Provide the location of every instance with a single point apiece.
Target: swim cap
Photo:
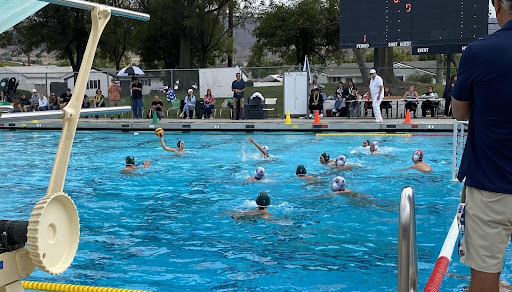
(375, 144)
(341, 160)
(259, 173)
(338, 184)
(130, 160)
(263, 199)
(265, 148)
(367, 142)
(301, 169)
(179, 144)
(417, 155)
(326, 157)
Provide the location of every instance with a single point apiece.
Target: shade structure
(130, 71)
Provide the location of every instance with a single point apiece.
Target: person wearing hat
(316, 102)
(263, 150)
(65, 98)
(262, 201)
(374, 147)
(136, 88)
(34, 100)
(190, 103)
(259, 174)
(302, 173)
(325, 159)
(366, 143)
(376, 94)
(417, 158)
(179, 150)
(341, 163)
(130, 164)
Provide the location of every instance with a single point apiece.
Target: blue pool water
(167, 228)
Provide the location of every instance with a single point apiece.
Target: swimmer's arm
(165, 147)
(258, 146)
(146, 163)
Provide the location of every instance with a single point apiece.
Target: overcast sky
(491, 9)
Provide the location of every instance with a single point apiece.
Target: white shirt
(43, 102)
(375, 84)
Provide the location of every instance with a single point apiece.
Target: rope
(44, 286)
(441, 266)
(363, 134)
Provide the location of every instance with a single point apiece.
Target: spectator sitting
(43, 103)
(24, 103)
(411, 94)
(158, 106)
(355, 105)
(65, 98)
(209, 101)
(99, 100)
(53, 102)
(34, 100)
(2, 97)
(316, 102)
(429, 105)
(386, 104)
(190, 104)
(339, 99)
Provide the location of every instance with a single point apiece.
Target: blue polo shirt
(238, 85)
(484, 79)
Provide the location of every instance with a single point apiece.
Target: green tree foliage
(308, 27)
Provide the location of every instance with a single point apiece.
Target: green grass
(277, 91)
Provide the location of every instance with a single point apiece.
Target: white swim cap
(259, 173)
(375, 144)
(341, 160)
(417, 155)
(338, 184)
(265, 148)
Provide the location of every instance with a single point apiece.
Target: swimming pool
(167, 228)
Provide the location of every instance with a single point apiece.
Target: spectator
(136, 88)
(99, 100)
(316, 102)
(386, 104)
(339, 100)
(85, 102)
(482, 96)
(209, 104)
(43, 103)
(53, 102)
(447, 95)
(24, 103)
(429, 105)
(190, 103)
(34, 100)
(114, 95)
(158, 106)
(411, 105)
(238, 88)
(65, 98)
(376, 94)
(355, 104)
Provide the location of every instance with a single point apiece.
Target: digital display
(429, 26)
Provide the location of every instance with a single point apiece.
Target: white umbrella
(130, 71)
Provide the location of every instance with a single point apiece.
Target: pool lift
(52, 232)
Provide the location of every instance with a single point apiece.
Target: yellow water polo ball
(159, 132)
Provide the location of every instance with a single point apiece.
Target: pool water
(168, 227)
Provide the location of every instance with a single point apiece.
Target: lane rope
(45, 286)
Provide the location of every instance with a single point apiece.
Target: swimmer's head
(180, 144)
(338, 184)
(366, 143)
(259, 173)
(324, 158)
(130, 160)
(265, 148)
(417, 156)
(374, 146)
(301, 170)
(263, 199)
(341, 160)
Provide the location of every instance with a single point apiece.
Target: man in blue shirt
(238, 88)
(486, 163)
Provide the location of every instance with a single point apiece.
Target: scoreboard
(429, 26)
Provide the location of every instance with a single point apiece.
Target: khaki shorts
(115, 103)
(241, 102)
(487, 230)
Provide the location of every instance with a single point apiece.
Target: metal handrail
(407, 253)
(458, 144)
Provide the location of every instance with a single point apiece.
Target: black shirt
(155, 103)
(136, 94)
(24, 101)
(65, 98)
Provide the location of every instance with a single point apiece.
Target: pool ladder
(407, 252)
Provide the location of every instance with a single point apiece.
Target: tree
(308, 27)
(57, 29)
(386, 65)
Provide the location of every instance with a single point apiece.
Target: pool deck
(298, 124)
